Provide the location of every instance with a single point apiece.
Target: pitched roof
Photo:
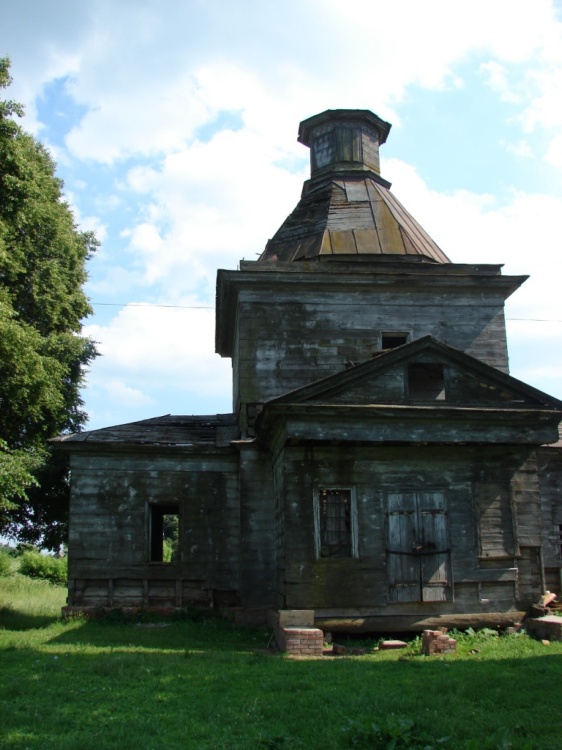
(328, 389)
(346, 208)
(169, 430)
(350, 216)
(469, 403)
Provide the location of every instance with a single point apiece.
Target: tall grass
(26, 602)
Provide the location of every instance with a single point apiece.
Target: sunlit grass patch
(28, 603)
(202, 683)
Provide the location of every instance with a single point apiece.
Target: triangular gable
(397, 377)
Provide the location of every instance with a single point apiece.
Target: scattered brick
(437, 642)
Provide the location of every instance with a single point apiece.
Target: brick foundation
(301, 641)
(437, 642)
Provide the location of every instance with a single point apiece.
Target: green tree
(42, 351)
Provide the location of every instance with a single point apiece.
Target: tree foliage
(42, 351)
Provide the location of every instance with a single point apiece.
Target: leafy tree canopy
(42, 352)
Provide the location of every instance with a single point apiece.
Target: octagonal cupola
(346, 210)
(343, 140)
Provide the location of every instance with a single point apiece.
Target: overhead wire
(212, 307)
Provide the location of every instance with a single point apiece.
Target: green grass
(205, 684)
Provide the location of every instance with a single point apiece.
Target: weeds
(36, 565)
(390, 733)
(398, 733)
(5, 563)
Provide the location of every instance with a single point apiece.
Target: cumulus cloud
(184, 157)
(152, 342)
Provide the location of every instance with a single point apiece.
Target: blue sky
(174, 127)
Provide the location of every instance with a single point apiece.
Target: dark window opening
(335, 523)
(164, 533)
(391, 340)
(560, 540)
(426, 381)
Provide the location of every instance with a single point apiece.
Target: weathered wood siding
(284, 342)
(459, 478)
(550, 468)
(109, 555)
(257, 520)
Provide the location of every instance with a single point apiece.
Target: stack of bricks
(437, 642)
(300, 640)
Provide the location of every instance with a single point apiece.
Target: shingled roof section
(170, 430)
(346, 208)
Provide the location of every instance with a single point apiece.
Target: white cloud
(163, 347)
(155, 80)
(211, 204)
(520, 233)
(121, 393)
(553, 155)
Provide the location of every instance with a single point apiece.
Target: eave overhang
(342, 275)
(398, 424)
(169, 433)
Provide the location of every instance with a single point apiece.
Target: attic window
(335, 523)
(392, 339)
(164, 533)
(426, 381)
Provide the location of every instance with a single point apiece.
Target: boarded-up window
(335, 522)
(496, 530)
(164, 533)
(426, 381)
(418, 555)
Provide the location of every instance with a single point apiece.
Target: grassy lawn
(205, 684)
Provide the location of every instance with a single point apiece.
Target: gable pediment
(423, 372)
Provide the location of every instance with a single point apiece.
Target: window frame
(156, 512)
(353, 524)
(430, 389)
(393, 334)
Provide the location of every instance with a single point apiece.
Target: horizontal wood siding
(294, 342)
(377, 474)
(550, 468)
(257, 570)
(109, 528)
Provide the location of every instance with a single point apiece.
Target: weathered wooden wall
(257, 518)
(109, 556)
(493, 568)
(284, 342)
(550, 468)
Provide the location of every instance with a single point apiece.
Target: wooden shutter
(403, 567)
(434, 540)
(495, 520)
(418, 555)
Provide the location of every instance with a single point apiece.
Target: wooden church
(380, 467)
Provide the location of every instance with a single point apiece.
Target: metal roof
(346, 208)
(349, 216)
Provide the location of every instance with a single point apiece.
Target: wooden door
(418, 554)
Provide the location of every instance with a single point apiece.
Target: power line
(150, 304)
(212, 307)
(537, 320)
